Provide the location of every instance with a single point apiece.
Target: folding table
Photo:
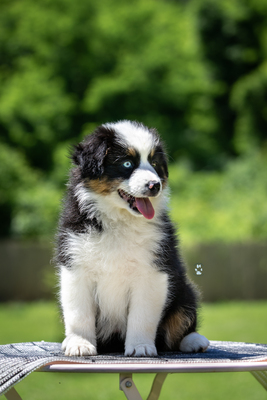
(18, 360)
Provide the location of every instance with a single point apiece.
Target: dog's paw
(194, 343)
(141, 350)
(75, 345)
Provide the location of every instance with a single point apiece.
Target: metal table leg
(261, 377)
(12, 394)
(128, 387)
(157, 386)
(131, 392)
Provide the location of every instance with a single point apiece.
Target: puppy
(123, 283)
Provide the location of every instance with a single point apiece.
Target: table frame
(257, 368)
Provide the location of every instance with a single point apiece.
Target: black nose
(154, 187)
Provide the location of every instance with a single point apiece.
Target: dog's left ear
(90, 154)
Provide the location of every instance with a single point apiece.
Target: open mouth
(141, 205)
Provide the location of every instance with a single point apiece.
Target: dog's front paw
(194, 343)
(141, 350)
(75, 345)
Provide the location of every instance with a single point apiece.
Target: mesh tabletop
(20, 359)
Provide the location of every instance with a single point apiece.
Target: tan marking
(175, 327)
(103, 186)
(152, 153)
(131, 152)
(164, 181)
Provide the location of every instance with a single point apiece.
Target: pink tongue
(145, 207)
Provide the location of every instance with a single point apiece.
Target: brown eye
(154, 164)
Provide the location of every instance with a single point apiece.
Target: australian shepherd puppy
(123, 284)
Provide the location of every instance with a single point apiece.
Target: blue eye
(127, 164)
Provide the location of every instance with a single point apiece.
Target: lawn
(236, 321)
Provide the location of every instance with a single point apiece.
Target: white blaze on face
(136, 185)
(138, 137)
(143, 141)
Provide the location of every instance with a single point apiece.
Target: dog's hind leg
(194, 343)
(179, 332)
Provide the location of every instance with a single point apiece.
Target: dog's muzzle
(142, 205)
(153, 188)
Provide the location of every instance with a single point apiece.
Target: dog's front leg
(147, 301)
(79, 314)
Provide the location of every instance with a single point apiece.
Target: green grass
(235, 321)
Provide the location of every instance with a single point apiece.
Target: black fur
(90, 154)
(102, 155)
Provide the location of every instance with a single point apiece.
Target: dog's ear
(90, 158)
(90, 154)
(76, 154)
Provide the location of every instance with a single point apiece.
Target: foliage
(28, 202)
(216, 206)
(234, 34)
(97, 62)
(195, 70)
(207, 206)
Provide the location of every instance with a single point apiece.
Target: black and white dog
(123, 284)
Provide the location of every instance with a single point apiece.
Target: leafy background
(195, 70)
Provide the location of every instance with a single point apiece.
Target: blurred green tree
(195, 70)
(234, 37)
(67, 66)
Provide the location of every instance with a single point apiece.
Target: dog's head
(124, 162)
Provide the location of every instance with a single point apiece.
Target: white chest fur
(113, 274)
